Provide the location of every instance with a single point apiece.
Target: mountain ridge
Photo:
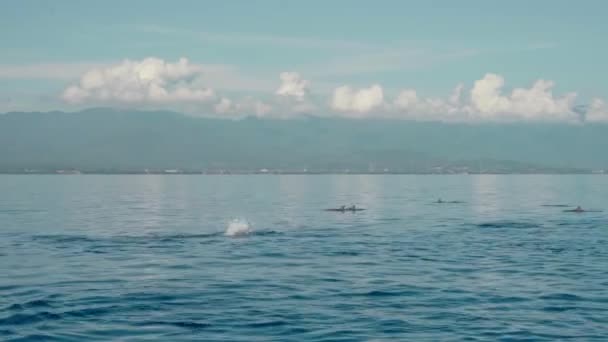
(129, 141)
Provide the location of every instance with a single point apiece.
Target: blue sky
(429, 46)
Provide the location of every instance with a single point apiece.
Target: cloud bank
(486, 100)
(537, 102)
(244, 106)
(357, 101)
(153, 81)
(597, 112)
(292, 85)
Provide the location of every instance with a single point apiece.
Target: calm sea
(255, 258)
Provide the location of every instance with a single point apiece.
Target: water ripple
(118, 260)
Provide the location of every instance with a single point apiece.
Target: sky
(421, 60)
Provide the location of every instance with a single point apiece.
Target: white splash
(238, 228)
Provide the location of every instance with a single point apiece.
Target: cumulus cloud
(243, 107)
(536, 102)
(183, 85)
(597, 111)
(293, 96)
(151, 80)
(224, 106)
(292, 85)
(409, 105)
(486, 101)
(358, 101)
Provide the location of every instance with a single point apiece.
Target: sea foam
(238, 227)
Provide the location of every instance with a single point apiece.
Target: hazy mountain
(105, 139)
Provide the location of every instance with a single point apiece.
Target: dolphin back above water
(344, 209)
(581, 210)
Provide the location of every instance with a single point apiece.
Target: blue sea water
(159, 258)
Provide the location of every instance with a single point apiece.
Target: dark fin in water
(343, 210)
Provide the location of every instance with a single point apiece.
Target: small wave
(342, 253)
(60, 238)
(582, 223)
(186, 236)
(120, 239)
(19, 211)
(559, 308)
(507, 299)
(33, 337)
(267, 324)
(6, 332)
(179, 324)
(389, 219)
(92, 311)
(238, 228)
(562, 297)
(22, 319)
(266, 233)
(508, 224)
(380, 293)
(38, 303)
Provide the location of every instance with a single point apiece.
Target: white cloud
(224, 106)
(304, 107)
(407, 99)
(292, 85)
(243, 107)
(597, 111)
(262, 108)
(409, 105)
(182, 85)
(486, 101)
(536, 102)
(357, 101)
(456, 96)
(151, 80)
(250, 105)
(221, 76)
(485, 95)
(293, 96)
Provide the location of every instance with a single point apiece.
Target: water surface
(146, 258)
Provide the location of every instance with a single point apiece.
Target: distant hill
(120, 141)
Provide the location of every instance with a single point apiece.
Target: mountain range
(112, 140)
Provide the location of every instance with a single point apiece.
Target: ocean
(256, 258)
